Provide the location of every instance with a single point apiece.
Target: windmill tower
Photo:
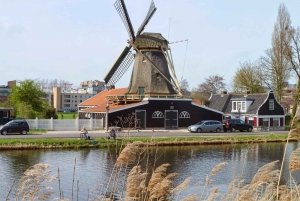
(150, 75)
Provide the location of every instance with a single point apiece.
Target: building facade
(262, 111)
(69, 99)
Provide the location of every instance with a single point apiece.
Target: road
(144, 133)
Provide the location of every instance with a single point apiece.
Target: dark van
(15, 126)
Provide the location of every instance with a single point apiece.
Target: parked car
(67, 111)
(15, 126)
(237, 124)
(206, 126)
(224, 125)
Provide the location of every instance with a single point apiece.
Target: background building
(69, 99)
(6, 90)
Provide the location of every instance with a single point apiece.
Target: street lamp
(107, 110)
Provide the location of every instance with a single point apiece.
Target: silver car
(206, 126)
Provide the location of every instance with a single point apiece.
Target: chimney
(223, 93)
(247, 92)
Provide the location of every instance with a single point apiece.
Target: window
(243, 106)
(157, 114)
(5, 114)
(271, 104)
(234, 106)
(275, 122)
(239, 105)
(184, 114)
(265, 122)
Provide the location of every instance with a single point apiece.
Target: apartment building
(69, 99)
(5, 90)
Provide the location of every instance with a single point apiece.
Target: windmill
(152, 60)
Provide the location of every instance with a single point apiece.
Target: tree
(248, 76)
(47, 85)
(184, 85)
(275, 64)
(212, 84)
(292, 53)
(26, 98)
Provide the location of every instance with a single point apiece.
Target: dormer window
(238, 106)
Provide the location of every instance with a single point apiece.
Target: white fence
(65, 124)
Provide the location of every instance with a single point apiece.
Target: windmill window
(184, 114)
(157, 75)
(157, 114)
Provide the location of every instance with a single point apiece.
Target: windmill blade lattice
(150, 13)
(121, 9)
(120, 67)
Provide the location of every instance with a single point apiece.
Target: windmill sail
(122, 10)
(150, 13)
(120, 66)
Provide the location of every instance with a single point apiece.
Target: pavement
(125, 131)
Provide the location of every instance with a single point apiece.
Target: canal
(91, 168)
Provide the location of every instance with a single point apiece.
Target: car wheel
(4, 132)
(218, 130)
(232, 129)
(249, 129)
(23, 132)
(199, 130)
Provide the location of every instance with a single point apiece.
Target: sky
(79, 40)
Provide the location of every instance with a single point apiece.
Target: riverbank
(55, 143)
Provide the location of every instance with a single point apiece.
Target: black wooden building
(169, 113)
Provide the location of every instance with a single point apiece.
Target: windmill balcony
(137, 97)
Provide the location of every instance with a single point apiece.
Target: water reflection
(94, 166)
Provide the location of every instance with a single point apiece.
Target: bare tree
(248, 76)
(292, 53)
(212, 84)
(184, 85)
(275, 64)
(47, 85)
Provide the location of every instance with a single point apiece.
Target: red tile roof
(197, 101)
(100, 98)
(98, 102)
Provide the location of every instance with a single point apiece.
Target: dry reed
(295, 160)
(128, 154)
(135, 183)
(31, 185)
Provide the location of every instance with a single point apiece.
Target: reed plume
(128, 154)
(264, 180)
(295, 160)
(135, 183)
(32, 183)
(157, 176)
(161, 191)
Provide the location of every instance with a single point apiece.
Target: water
(93, 166)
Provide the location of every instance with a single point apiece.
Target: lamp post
(107, 110)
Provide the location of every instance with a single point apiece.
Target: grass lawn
(71, 115)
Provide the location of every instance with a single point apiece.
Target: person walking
(84, 133)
